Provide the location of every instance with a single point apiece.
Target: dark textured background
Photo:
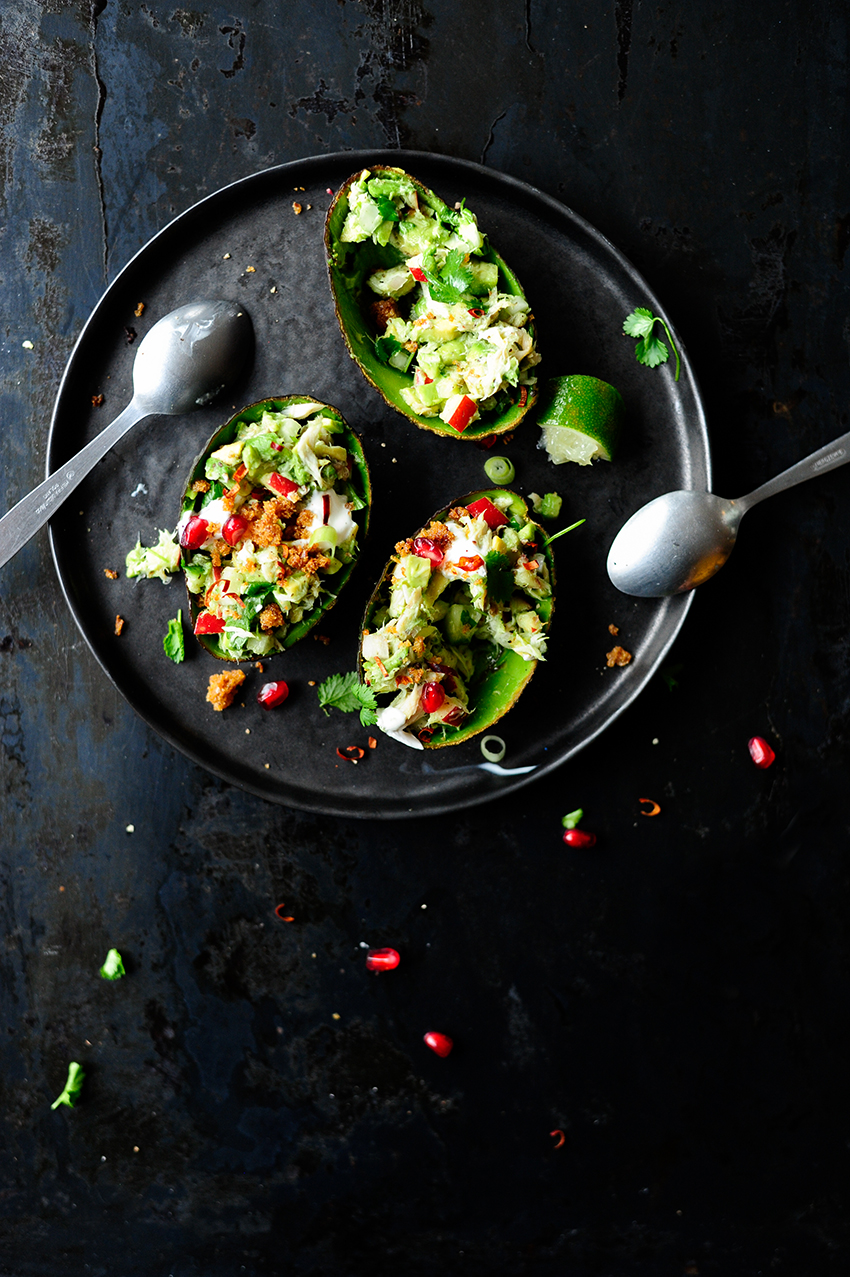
(675, 1000)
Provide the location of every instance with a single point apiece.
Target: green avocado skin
(501, 688)
(226, 434)
(348, 265)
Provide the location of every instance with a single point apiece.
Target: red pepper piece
(463, 414)
(471, 564)
(382, 959)
(760, 752)
(425, 548)
(209, 624)
(194, 533)
(271, 694)
(418, 274)
(579, 838)
(439, 1043)
(281, 485)
(493, 516)
(240, 472)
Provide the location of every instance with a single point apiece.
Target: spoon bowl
(673, 544)
(680, 539)
(187, 358)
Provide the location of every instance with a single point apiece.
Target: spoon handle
(829, 457)
(34, 510)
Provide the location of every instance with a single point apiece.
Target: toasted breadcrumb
(97, 401)
(617, 656)
(322, 638)
(271, 617)
(119, 624)
(139, 310)
(111, 573)
(223, 688)
(201, 485)
(614, 629)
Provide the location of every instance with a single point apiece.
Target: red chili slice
(471, 563)
(561, 1137)
(492, 515)
(476, 312)
(351, 753)
(209, 624)
(382, 959)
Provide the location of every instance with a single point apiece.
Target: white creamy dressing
(463, 548)
(339, 517)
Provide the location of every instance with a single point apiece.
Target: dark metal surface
(672, 999)
(247, 242)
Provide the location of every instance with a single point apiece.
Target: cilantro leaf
(72, 1087)
(453, 280)
(173, 644)
(113, 967)
(345, 692)
(650, 350)
(500, 577)
(386, 208)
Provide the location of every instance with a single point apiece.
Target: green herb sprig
(650, 350)
(345, 692)
(173, 644)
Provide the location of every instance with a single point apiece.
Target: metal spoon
(185, 360)
(681, 539)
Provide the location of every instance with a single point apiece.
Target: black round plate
(249, 242)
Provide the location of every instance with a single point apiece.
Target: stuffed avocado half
(459, 620)
(271, 521)
(431, 314)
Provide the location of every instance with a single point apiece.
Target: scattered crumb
(223, 688)
(372, 742)
(258, 665)
(131, 829)
(617, 656)
(249, 270)
(614, 629)
(226, 257)
(336, 1016)
(273, 290)
(311, 682)
(247, 731)
(139, 310)
(322, 638)
(266, 766)
(131, 335)
(27, 345)
(113, 576)
(119, 624)
(61, 888)
(135, 1148)
(97, 401)
(296, 208)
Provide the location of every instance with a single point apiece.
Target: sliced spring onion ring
(499, 469)
(495, 754)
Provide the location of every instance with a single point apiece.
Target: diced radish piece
(209, 624)
(281, 485)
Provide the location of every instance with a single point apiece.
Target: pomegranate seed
(432, 697)
(579, 838)
(234, 528)
(271, 694)
(425, 548)
(439, 1043)
(194, 533)
(382, 959)
(760, 752)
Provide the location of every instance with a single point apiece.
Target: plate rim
(679, 605)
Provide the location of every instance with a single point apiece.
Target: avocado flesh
(350, 264)
(492, 695)
(332, 585)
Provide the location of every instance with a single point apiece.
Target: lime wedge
(580, 418)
